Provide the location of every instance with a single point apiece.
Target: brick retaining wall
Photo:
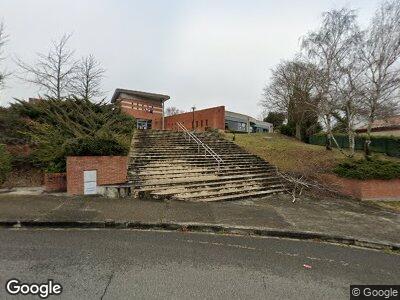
(371, 189)
(55, 182)
(110, 170)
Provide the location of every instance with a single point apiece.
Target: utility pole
(193, 108)
(162, 103)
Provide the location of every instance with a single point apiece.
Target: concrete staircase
(164, 165)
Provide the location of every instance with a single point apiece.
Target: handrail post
(191, 135)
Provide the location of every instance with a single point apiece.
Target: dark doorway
(143, 124)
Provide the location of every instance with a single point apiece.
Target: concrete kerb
(207, 228)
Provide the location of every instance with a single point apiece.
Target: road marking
(326, 260)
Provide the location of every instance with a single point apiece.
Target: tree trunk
(328, 144)
(329, 133)
(298, 131)
(367, 149)
(352, 144)
(350, 129)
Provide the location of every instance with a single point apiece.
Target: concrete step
(226, 192)
(165, 192)
(163, 164)
(180, 148)
(176, 170)
(196, 155)
(180, 152)
(173, 176)
(139, 165)
(203, 179)
(181, 173)
(192, 163)
(207, 184)
(238, 196)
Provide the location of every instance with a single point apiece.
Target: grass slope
(291, 155)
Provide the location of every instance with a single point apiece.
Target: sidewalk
(331, 217)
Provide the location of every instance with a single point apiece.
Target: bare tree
(52, 72)
(86, 82)
(380, 55)
(3, 41)
(171, 111)
(291, 91)
(328, 48)
(348, 92)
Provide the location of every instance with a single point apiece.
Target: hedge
(368, 169)
(5, 163)
(389, 145)
(95, 146)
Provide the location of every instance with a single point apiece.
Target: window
(201, 123)
(197, 123)
(206, 122)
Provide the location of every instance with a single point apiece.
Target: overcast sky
(202, 53)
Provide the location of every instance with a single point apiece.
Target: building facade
(148, 110)
(199, 120)
(236, 122)
(389, 126)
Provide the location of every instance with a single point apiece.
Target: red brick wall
(55, 182)
(211, 117)
(371, 189)
(140, 108)
(380, 189)
(110, 170)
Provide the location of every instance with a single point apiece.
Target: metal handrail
(199, 143)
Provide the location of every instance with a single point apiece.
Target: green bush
(275, 118)
(48, 148)
(58, 128)
(95, 146)
(5, 163)
(368, 169)
(289, 129)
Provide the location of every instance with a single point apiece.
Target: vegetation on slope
(368, 169)
(57, 128)
(5, 163)
(291, 155)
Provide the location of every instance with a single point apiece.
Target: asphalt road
(128, 264)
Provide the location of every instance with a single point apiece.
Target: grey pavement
(333, 216)
(131, 264)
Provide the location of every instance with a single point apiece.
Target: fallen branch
(296, 185)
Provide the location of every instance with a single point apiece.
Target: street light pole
(193, 108)
(162, 121)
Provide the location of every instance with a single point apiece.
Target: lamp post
(193, 108)
(162, 121)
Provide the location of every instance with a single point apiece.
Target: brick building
(199, 120)
(148, 109)
(388, 126)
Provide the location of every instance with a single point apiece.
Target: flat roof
(153, 96)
